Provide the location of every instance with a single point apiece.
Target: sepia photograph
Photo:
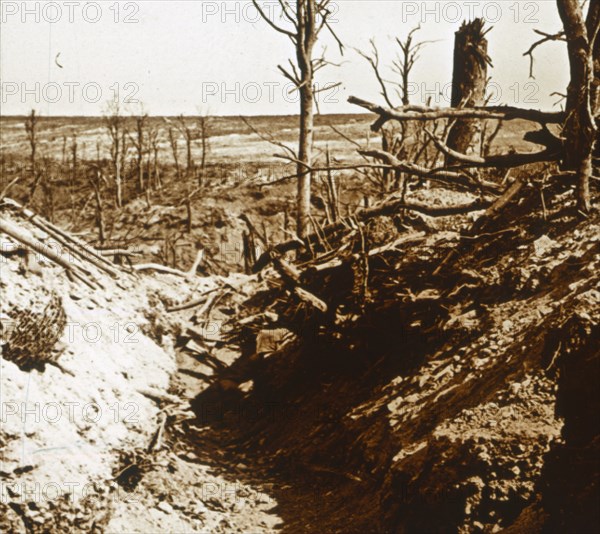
(299, 266)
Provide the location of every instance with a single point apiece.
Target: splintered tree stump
(469, 82)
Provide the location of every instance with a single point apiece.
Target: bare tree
(96, 180)
(47, 185)
(405, 62)
(580, 127)
(574, 149)
(204, 131)
(304, 22)
(31, 129)
(115, 124)
(406, 140)
(64, 150)
(173, 142)
(140, 144)
(154, 139)
(73, 173)
(189, 135)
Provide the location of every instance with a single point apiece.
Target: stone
(544, 245)
(165, 507)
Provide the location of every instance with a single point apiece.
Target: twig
(559, 36)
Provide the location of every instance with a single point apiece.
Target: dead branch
(559, 36)
(192, 303)
(268, 138)
(498, 205)
(268, 20)
(169, 270)
(444, 176)
(452, 178)
(253, 229)
(424, 113)
(373, 60)
(501, 160)
(5, 191)
(292, 276)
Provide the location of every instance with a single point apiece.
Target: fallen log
(76, 246)
(118, 252)
(309, 298)
(160, 268)
(13, 231)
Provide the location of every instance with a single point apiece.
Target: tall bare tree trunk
(306, 20)
(203, 122)
(305, 156)
(592, 25)
(580, 130)
(468, 83)
(174, 149)
(307, 36)
(156, 170)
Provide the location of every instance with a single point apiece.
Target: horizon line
(237, 115)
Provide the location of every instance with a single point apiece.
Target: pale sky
(218, 57)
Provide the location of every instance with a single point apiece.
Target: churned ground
(450, 390)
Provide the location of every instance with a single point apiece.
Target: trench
(262, 439)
